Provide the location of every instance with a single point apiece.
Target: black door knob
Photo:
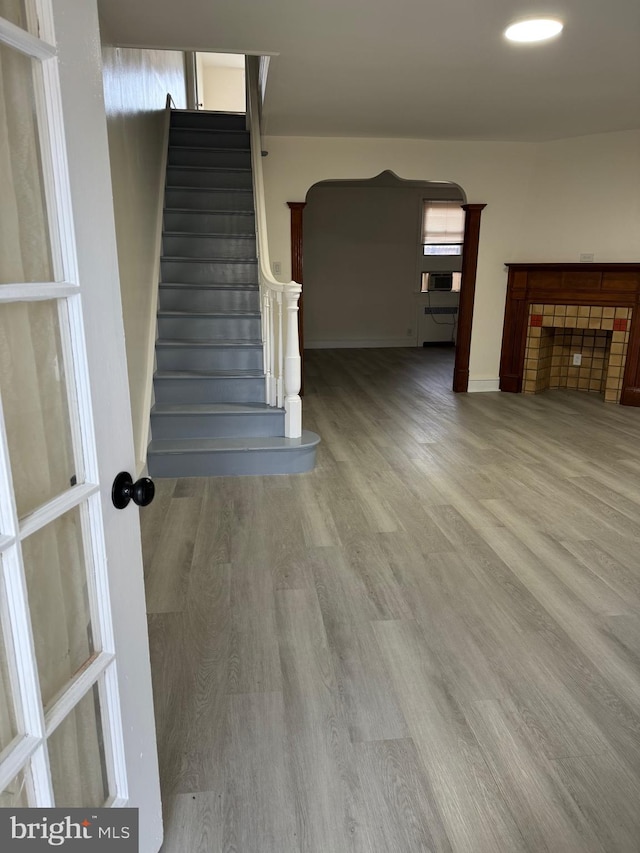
(124, 490)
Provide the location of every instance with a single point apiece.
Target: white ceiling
(435, 69)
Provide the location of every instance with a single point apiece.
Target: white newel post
(292, 366)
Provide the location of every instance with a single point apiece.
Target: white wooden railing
(279, 300)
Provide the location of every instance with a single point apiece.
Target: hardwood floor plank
(328, 798)
(474, 814)
(194, 822)
(399, 800)
(167, 578)
(547, 816)
(258, 798)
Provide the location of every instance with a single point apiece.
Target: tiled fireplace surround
(556, 332)
(554, 311)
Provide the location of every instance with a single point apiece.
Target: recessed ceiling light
(537, 29)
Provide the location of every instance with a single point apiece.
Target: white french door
(76, 720)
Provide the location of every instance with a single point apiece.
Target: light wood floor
(430, 643)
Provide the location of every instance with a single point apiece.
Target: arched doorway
(364, 265)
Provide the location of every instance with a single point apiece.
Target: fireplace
(581, 347)
(573, 326)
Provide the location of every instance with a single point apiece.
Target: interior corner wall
(498, 174)
(136, 83)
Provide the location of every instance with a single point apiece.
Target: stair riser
(201, 246)
(203, 272)
(212, 139)
(210, 390)
(243, 462)
(177, 177)
(208, 358)
(209, 328)
(209, 199)
(208, 299)
(238, 159)
(209, 223)
(258, 425)
(215, 121)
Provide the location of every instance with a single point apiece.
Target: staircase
(210, 417)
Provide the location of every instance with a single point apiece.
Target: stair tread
(243, 169)
(231, 312)
(241, 373)
(223, 234)
(182, 188)
(210, 285)
(210, 129)
(205, 212)
(215, 409)
(182, 258)
(209, 342)
(225, 445)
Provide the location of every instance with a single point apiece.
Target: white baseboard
(483, 385)
(366, 343)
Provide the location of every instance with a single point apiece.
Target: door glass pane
(15, 794)
(76, 756)
(54, 566)
(34, 396)
(25, 253)
(14, 11)
(8, 725)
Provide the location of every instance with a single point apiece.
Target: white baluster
(266, 346)
(281, 344)
(292, 367)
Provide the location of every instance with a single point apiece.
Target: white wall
(498, 174)
(136, 83)
(549, 201)
(222, 89)
(585, 198)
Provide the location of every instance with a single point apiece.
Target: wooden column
(297, 210)
(467, 294)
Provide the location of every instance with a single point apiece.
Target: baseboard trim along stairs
(210, 417)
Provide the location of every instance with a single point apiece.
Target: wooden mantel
(611, 284)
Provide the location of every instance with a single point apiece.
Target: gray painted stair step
(216, 420)
(187, 156)
(232, 246)
(195, 198)
(209, 118)
(191, 326)
(208, 354)
(231, 457)
(201, 176)
(212, 270)
(194, 138)
(209, 298)
(210, 222)
(216, 386)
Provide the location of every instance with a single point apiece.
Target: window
(442, 228)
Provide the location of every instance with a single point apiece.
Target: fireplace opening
(575, 347)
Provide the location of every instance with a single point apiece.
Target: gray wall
(362, 261)
(136, 84)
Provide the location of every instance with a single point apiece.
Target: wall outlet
(586, 258)
(277, 267)
(577, 359)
